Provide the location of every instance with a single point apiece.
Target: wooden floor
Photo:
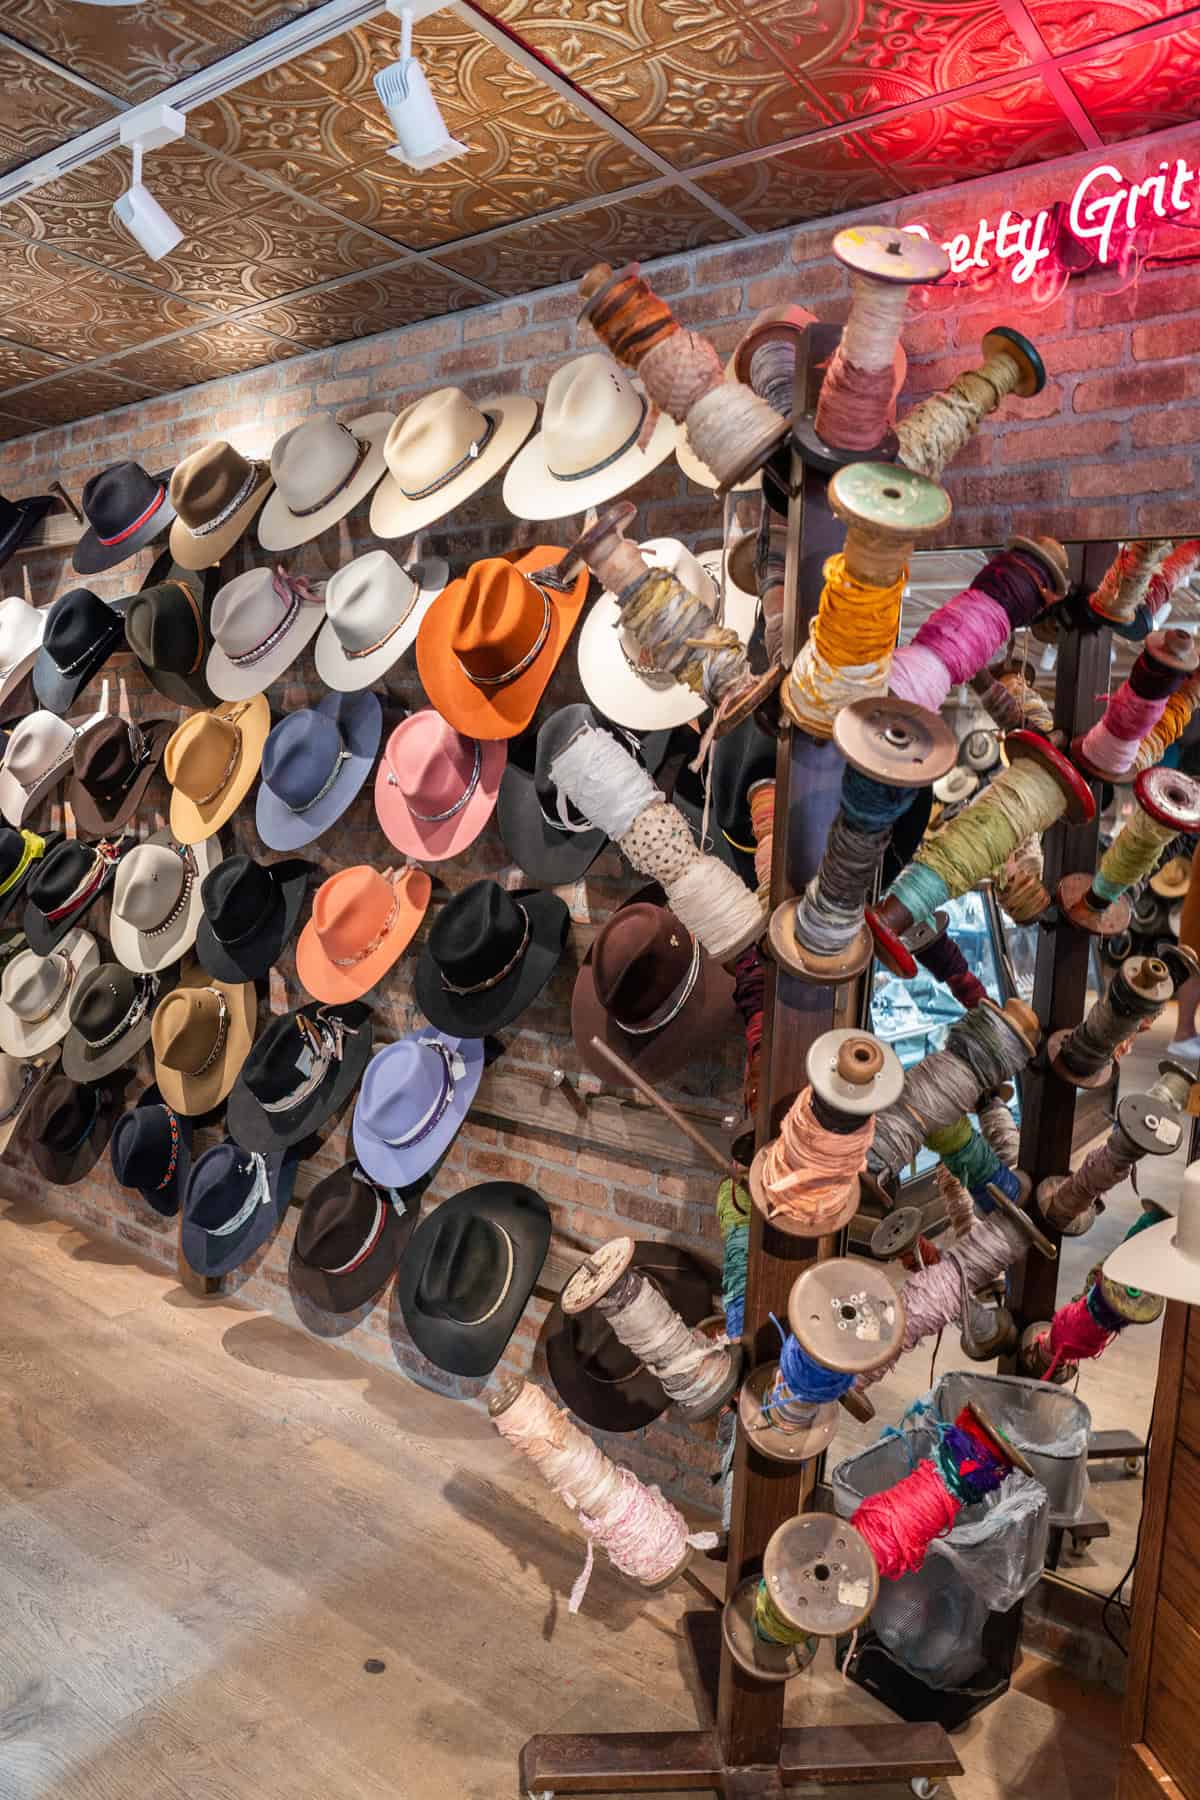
(209, 1525)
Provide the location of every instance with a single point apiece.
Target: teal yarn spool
(920, 891)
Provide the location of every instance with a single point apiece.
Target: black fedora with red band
(125, 508)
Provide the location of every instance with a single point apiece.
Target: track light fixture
(148, 223)
(422, 138)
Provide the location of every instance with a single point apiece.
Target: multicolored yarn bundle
(1180, 709)
(810, 1172)
(1137, 707)
(1019, 886)
(947, 964)
(954, 643)
(1125, 583)
(848, 654)
(934, 432)
(901, 1522)
(733, 1218)
(830, 912)
(982, 1052)
(749, 997)
(972, 1161)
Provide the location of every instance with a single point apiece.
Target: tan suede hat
(201, 1033)
(211, 762)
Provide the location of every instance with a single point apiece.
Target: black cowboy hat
(19, 519)
(151, 1150)
(299, 1073)
(233, 1203)
(167, 626)
(110, 1013)
(489, 955)
(125, 508)
(468, 1272)
(739, 762)
(601, 1381)
(349, 1239)
(65, 883)
(20, 855)
(81, 634)
(250, 912)
(69, 1125)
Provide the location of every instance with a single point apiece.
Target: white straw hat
(587, 450)
(321, 469)
(442, 449)
(36, 993)
(373, 608)
(612, 682)
(22, 628)
(1165, 1259)
(38, 756)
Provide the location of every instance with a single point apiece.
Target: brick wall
(1107, 449)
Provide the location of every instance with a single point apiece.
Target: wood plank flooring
(209, 1524)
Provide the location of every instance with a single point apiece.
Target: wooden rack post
(746, 1754)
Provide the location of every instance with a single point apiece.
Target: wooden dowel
(724, 1163)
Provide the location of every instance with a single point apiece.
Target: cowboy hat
(489, 955)
(313, 765)
(249, 912)
(110, 1020)
(610, 664)
(167, 628)
(35, 994)
(468, 1272)
(112, 766)
(548, 839)
(957, 785)
(20, 1079)
(1170, 881)
(435, 789)
(125, 508)
(741, 760)
(260, 622)
(442, 449)
(650, 991)
(601, 1381)
(70, 1124)
(201, 1032)
(20, 854)
(215, 492)
(373, 610)
(362, 923)
(18, 703)
(37, 757)
(210, 762)
(81, 634)
(414, 1096)
(233, 1204)
(322, 469)
(1164, 1259)
(151, 1150)
(588, 450)
(490, 642)
(350, 1236)
(22, 628)
(19, 519)
(156, 901)
(64, 885)
(300, 1073)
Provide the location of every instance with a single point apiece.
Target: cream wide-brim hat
(230, 682)
(280, 529)
(35, 618)
(16, 802)
(42, 1067)
(21, 1038)
(394, 515)
(146, 953)
(532, 492)
(614, 687)
(349, 674)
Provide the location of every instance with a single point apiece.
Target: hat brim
(195, 1095)
(64, 1168)
(17, 891)
(20, 673)
(347, 674)
(230, 682)
(90, 817)
(192, 822)
(253, 1128)
(42, 1067)
(17, 1037)
(185, 690)
(208, 1255)
(324, 980)
(81, 1063)
(503, 711)
(1171, 886)
(147, 954)
(45, 936)
(194, 551)
(399, 1165)
(280, 529)
(548, 857)
(256, 955)
(344, 1293)
(618, 691)
(91, 557)
(629, 1397)
(478, 1015)
(532, 492)
(476, 1349)
(30, 514)
(394, 515)
(166, 1200)
(58, 692)
(1152, 1261)
(17, 803)
(282, 829)
(438, 840)
(18, 698)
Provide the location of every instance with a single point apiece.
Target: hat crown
(102, 1001)
(219, 1187)
(40, 743)
(148, 885)
(592, 412)
(162, 627)
(186, 1027)
(467, 1269)
(334, 1227)
(247, 611)
(641, 957)
(500, 619)
(13, 845)
(143, 1144)
(59, 873)
(118, 495)
(300, 757)
(208, 481)
(33, 985)
(281, 1056)
(351, 910)
(430, 439)
(237, 896)
(401, 1087)
(477, 933)
(21, 628)
(432, 764)
(313, 460)
(63, 1113)
(368, 599)
(198, 755)
(107, 757)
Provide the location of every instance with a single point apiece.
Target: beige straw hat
(442, 449)
(588, 449)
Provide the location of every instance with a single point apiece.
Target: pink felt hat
(435, 789)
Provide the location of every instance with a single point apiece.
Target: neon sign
(1097, 227)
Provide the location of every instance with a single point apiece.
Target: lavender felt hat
(414, 1096)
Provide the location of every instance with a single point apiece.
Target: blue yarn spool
(1005, 1180)
(871, 805)
(733, 1279)
(804, 1379)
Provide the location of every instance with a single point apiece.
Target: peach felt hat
(362, 922)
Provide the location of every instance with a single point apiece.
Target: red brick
(1174, 337)
(663, 1213)
(366, 355)
(1152, 296)
(1091, 350)
(1109, 480)
(611, 1168)
(536, 343)
(813, 243)
(562, 304)
(497, 1165)
(1173, 425)
(739, 263)
(1047, 443)
(1136, 388)
(558, 1186)
(468, 361)
(337, 393)
(494, 322)
(1021, 487)
(717, 306)
(1168, 518)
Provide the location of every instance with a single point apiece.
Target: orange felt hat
(489, 643)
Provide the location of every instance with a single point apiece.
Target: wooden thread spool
(934, 432)
(1009, 698)
(1165, 660)
(1168, 803)
(1120, 1305)
(1125, 582)
(1136, 995)
(886, 512)
(846, 1314)
(822, 1581)
(1149, 1124)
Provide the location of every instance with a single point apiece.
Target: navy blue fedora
(234, 1203)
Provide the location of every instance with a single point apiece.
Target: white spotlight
(148, 223)
(422, 138)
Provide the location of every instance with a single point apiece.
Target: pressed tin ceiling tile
(75, 214)
(581, 37)
(77, 396)
(1141, 87)
(1065, 25)
(19, 364)
(657, 224)
(420, 210)
(41, 109)
(832, 176)
(543, 158)
(983, 134)
(529, 256)
(103, 314)
(288, 125)
(368, 304)
(223, 349)
(470, 77)
(27, 271)
(11, 427)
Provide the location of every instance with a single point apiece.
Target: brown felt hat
(201, 1032)
(211, 762)
(215, 492)
(114, 764)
